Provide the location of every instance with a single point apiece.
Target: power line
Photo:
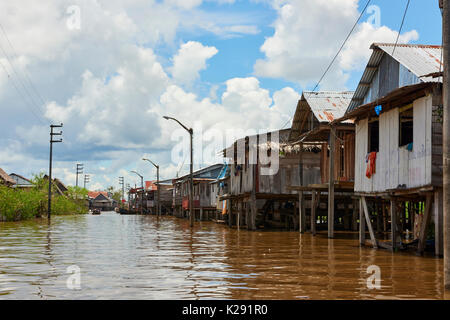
(336, 55)
(38, 116)
(24, 69)
(19, 79)
(401, 26)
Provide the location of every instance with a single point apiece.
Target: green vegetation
(116, 194)
(20, 204)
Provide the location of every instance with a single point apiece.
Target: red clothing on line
(371, 158)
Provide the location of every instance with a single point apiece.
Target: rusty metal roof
(327, 105)
(421, 60)
(315, 108)
(6, 178)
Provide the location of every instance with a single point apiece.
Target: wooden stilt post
(247, 213)
(253, 212)
(438, 223)
(445, 7)
(355, 216)
(238, 221)
(201, 214)
(331, 183)
(394, 224)
(301, 198)
(230, 215)
(424, 226)
(369, 222)
(362, 224)
(301, 212)
(313, 213)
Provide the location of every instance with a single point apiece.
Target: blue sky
(215, 63)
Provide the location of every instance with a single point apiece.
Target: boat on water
(96, 211)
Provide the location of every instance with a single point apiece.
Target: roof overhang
(394, 99)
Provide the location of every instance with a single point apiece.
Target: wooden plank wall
(288, 174)
(396, 165)
(345, 146)
(436, 145)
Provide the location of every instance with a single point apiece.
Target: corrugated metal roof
(328, 105)
(421, 60)
(6, 178)
(210, 172)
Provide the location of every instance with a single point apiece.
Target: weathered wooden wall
(288, 174)
(344, 160)
(396, 165)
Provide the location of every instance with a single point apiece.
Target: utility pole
(79, 171)
(191, 176)
(445, 7)
(157, 184)
(122, 183)
(128, 189)
(52, 134)
(142, 185)
(86, 180)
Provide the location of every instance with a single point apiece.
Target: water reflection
(148, 257)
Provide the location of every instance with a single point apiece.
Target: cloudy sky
(110, 69)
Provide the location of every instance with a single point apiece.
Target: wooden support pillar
(247, 213)
(253, 212)
(362, 224)
(201, 214)
(438, 222)
(355, 216)
(301, 212)
(296, 222)
(394, 224)
(238, 220)
(369, 222)
(424, 226)
(331, 183)
(313, 213)
(230, 215)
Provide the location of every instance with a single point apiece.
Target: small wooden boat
(96, 211)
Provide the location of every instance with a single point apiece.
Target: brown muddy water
(146, 257)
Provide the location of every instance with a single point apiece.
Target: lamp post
(157, 183)
(142, 185)
(122, 183)
(191, 184)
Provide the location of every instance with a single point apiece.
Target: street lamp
(142, 185)
(157, 183)
(191, 185)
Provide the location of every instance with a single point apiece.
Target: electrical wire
(335, 56)
(401, 27)
(38, 116)
(31, 103)
(24, 69)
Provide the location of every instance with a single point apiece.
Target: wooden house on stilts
(397, 109)
(203, 207)
(260, 172)
(311, 125)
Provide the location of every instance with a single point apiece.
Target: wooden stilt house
(165, 194)
(219, 188)
(397, 109)
(258, 196)
(202, 205)
(311, 125)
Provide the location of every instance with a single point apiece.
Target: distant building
(101, 200)
(21, 182)
(5, 179)
(59, 185)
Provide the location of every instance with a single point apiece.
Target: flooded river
(146, 257)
